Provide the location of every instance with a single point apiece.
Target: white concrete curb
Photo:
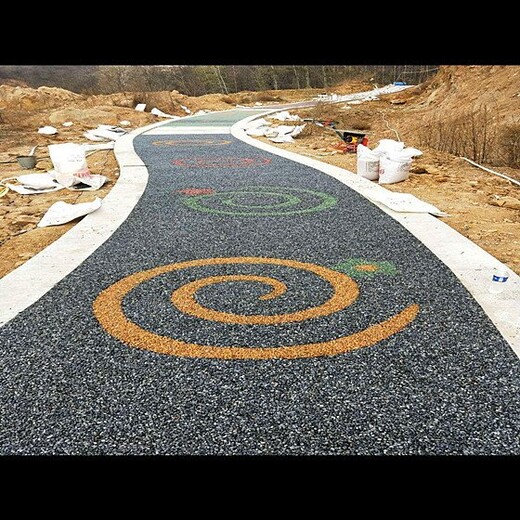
(472, 265)
(28, 283)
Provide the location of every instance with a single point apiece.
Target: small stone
(511, 203)
(44, 165)
(26, 219)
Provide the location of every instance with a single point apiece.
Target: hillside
(460, 111)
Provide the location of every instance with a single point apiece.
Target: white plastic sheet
(258, 131)
(105, 132)
(100, 146)
(62, 212)
(282, 138)
(285, 116)
(405, 202)
(89, 135)
(140, 107)
(186, 109)
(160, 113)
(47, 130)
(67, 123)
(33, 183)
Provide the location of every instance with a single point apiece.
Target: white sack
(388, 146)
(61, 212)
(33, 183)
(140, 107)
(68, 160)
(367, 163)
(393, 171)
(40, 181)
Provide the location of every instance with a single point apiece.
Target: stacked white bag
(389, 161)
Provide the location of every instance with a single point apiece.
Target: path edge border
(27, 283)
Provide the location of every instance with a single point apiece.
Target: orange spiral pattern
(108, 311)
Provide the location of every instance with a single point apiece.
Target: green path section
(213, 119)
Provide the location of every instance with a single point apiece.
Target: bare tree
(324, 72)
(275, 81)
(296, 76)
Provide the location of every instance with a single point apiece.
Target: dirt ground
(482, 207)
(23, 110)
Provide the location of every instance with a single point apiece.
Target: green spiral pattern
(291, 198)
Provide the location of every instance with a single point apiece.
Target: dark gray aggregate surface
(447, 384)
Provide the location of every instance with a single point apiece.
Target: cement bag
(386, 146)
(391, 171)
(38, 181)
(69, 160)
(410, 152)
(367, 163)
(61, 212)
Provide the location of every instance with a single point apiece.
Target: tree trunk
(275, 81)
(325, 84)
(296, 76)
(235, 78)
(307, 77)
(221, 81)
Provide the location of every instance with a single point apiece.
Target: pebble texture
(447, 383)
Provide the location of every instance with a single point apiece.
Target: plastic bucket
(27, 161)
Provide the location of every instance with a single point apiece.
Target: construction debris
(33, 183)
(160, 113)
(140, 107)
(71, 169)
(62, 212)
(103, 132)
(389, 162)
(47, 130)
(284, 116)
(404, 202)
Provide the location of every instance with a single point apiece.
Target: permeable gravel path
(252, 305)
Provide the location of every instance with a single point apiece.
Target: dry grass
(471, 134)
(509, 136)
